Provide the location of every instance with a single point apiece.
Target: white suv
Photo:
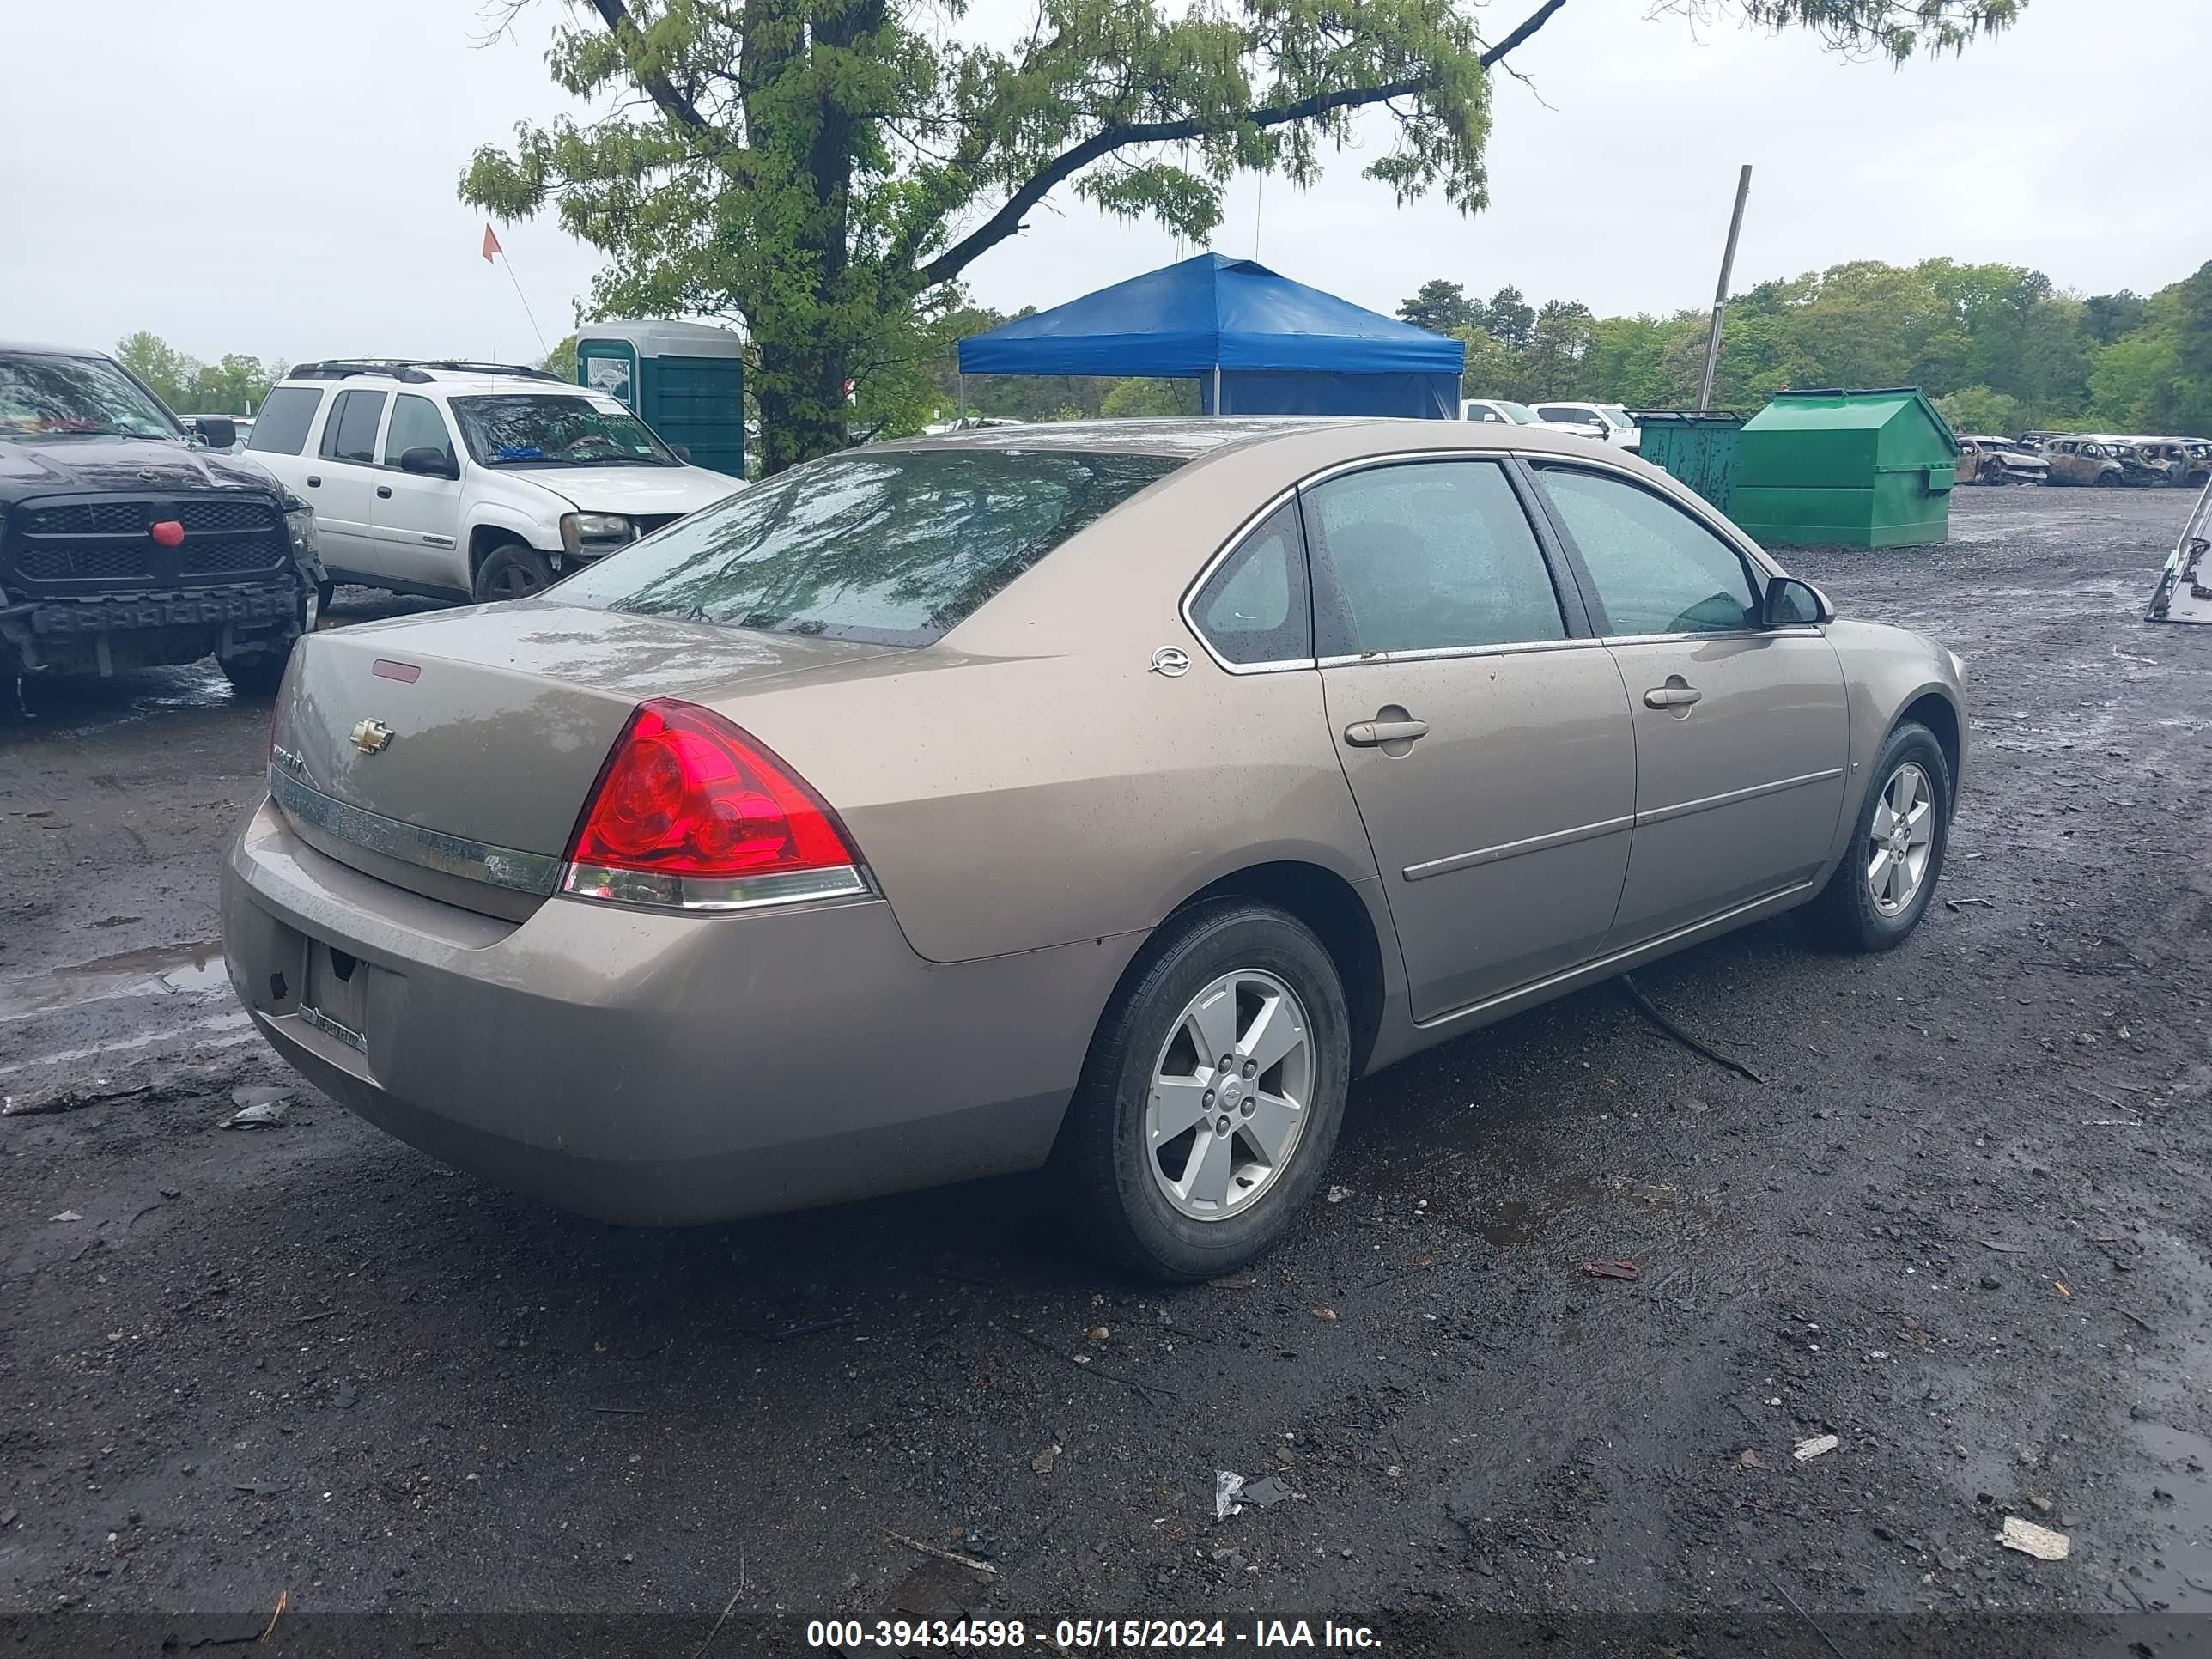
(544, 474)
(1607, 422)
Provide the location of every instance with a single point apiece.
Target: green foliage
(822, 171)
(1998, 346)
(234, 385)
(1136, 398)
(1441, 307)
(1978, 409)
(562, 360)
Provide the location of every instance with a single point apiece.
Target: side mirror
(1791, 603)
(216, 431)
(430, 462)
(682, 452)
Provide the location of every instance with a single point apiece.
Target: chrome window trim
(1222, 555)
(1447, 653)
(1731, 797)
(507, 867)
(1793, 631)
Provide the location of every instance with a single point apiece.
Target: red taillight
(690, 811)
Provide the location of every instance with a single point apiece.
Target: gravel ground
(1960, 1226)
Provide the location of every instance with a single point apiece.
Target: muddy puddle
(163, 970)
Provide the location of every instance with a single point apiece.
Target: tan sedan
(1107, 797)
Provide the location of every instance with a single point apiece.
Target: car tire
(512, 571)
(257, 676)
(1115, 1173)
(1863, 908)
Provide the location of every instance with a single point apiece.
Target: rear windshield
(893, 548)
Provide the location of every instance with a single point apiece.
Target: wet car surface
(1873, 1236)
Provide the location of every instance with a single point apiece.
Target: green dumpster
(1694, 445)
(685, 380)
(1851, 469)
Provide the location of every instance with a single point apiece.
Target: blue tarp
(1281, 348)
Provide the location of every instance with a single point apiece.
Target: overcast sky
(276, 176)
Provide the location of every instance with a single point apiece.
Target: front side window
(415, 424)
(1428, 556)
(286, 413)
(349, 435)
(555, 428)
(894, 547)
(1254, 608)
(1657, 570)
(46, 395)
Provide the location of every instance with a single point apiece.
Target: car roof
(1204, 436)
(451, 380)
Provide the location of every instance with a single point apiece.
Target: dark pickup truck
(128, 542)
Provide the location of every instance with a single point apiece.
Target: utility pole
(1720, 294)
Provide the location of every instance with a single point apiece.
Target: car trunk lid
(452, 754)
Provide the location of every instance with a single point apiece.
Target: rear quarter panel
(1031, 781)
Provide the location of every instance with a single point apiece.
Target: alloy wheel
(1229, 1094)
(1901, 840)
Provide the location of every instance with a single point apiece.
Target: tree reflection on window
(894, 547)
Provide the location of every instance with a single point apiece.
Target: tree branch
(1008, 219)
(672, 100)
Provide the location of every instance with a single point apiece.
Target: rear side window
(415, 424)
(1254, 608)
(895, 548)
(280, 428)
(1430, 555)
(351, 433)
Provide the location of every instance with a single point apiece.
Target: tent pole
(963, 414)
(1217, 391)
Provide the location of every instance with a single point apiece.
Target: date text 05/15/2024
(1126, 1635)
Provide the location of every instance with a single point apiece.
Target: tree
(562, 360)
(1135, 398)
(235, 385)
(814, 168)
(1562, 336)
(1978, 409)
(167, 371)
(1441, 307)
(1510, 320)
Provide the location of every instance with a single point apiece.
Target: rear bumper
(664, 1069)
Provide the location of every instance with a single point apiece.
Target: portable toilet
(685, 380)
(1851, 469)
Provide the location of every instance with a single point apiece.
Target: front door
(1742, 732)
(417, 517)
(1487, 740)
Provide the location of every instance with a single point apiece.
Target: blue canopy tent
(1256, 343)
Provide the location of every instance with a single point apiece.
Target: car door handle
(314, 482)
(384, 492)
(1368, 734)
(1671, 696)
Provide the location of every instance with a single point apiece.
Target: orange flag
(491, 245)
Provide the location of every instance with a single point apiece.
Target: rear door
(1483, 728)
(416, 518)
(1742, 731)
(342, 483)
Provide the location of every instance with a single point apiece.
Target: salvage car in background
(545, 476)
(1994, 460)
(1106, 795)
(2092, 461)
(127, 541)
(2187, 461)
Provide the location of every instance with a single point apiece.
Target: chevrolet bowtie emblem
(371, 736)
